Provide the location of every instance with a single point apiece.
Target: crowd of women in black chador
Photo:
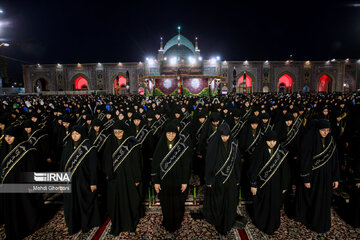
(272, 150)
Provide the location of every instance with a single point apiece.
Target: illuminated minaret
(161, 50)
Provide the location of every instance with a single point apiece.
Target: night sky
(62, 31)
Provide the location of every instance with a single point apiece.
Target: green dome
(183, 41)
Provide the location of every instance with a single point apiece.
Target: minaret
(197, 50)
(160, 56)
(179, 29)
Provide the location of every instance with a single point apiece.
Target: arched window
(81, 84)
(286, 80)
(119, 83)
(248, 80)
(324, 83)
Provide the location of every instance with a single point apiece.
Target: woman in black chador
(19, 211)
(222, 176)
(81, 205)
(269, 178)
(319, 173)
(122, 157)
(171, 172)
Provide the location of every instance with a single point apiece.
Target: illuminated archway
(244, 83)
(81, 84)
(248, 80)
(41, 85)
(285, 83)
(120, 85)
(325, 83)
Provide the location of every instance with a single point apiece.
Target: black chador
(143, 133)
(39, 139)
(19, 211)
(235, 122)
(250, 136)
(207, 132)
(319, 172)
(269, 179)
(122, 157)
(198, 123)
(98, 136)
(171, 172)
(289, 130)
(266, 123)
(81, 205)
(222, 175)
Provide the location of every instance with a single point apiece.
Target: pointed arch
(80, 82)
(285, 82)
(325, 83)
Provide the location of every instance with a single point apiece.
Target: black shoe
(197, 215)
(240, 222)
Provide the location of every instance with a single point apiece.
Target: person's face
(271, 143)
(225, 138)
(201, 120)
(2, 126)
(118, 133)
(183, 109)
(84, 116)
(141, 110)
(284, 111)
(338, 119)
(236, 118)
(324, 132)
(215, 123)
(108, 116)
(121, 116)
(247, 104)
(256, 113)
(75, 136)
(88, 122)
(177, 115)
(170, 136)
(325, 112)
(34, 119)
(301, 112)
(137, 122)
(288, 123)
(265, 120)
(9, 139)
(254, 125)
(66, 124)
(295, 114)
(150, 119)
(28, 130)
(96, 128)
(129, 114)
(157, 116)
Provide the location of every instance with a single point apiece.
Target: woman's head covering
(97, 122)
(288, 116)
(79, 129)
(323, 123)
(253, 119)
(119, 125)
(11, 131)
(215, 117)
(224, 129)
(271, 136)
(171, 127)
(28, 124)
